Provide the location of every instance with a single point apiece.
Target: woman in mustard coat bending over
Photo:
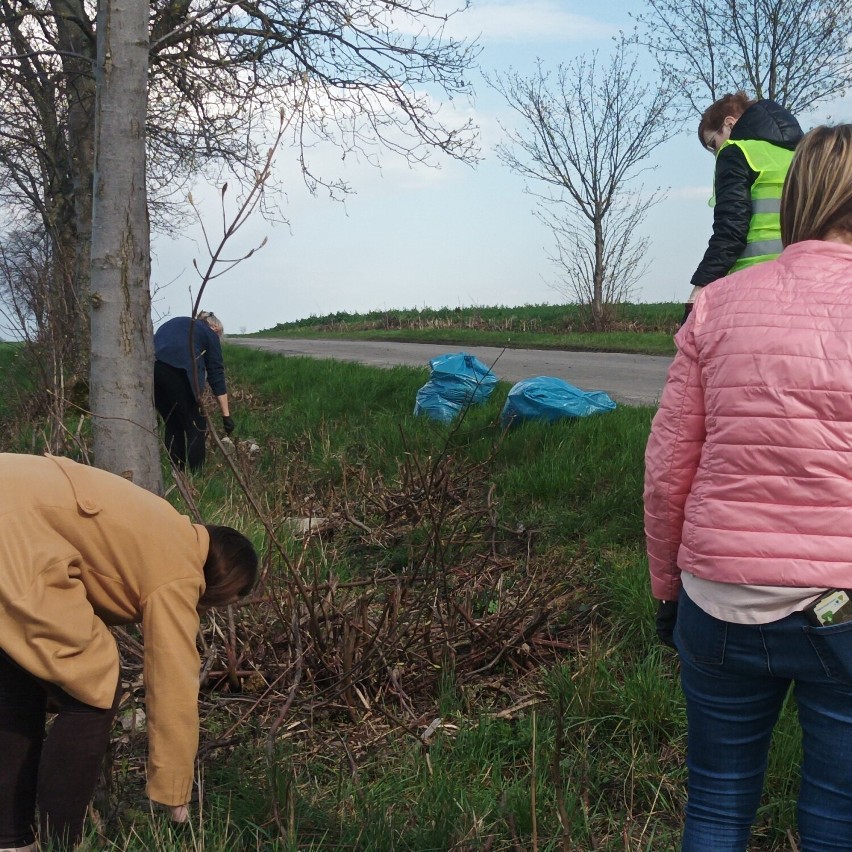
(82, 549)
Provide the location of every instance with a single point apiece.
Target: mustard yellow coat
(81, 549)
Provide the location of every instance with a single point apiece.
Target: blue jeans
(735, 678)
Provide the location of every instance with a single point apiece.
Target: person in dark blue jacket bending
(179, 380)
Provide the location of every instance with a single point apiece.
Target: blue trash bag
(462, 378)
(547, 398)
(455, 381)
(433, 404)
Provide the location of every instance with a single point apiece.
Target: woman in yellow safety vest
(753, 142)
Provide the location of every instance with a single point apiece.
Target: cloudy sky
(452, 236)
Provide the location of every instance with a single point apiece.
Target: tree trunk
(76, 40)
(122, 366)
(598, 318)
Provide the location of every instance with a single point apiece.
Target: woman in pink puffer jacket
(748, 515)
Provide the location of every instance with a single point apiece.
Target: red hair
(714, 116)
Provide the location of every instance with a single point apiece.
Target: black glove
(687, 310)
(666, 620)
(228, 424)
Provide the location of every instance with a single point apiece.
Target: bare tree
(360, 74)
(363, 75)
(586, 134)
(30, 312)
(44, 142)
(352, 72)
(122, 365)
(795, 52)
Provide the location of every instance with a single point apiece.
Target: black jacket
(766, 121)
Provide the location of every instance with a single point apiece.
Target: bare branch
(795, 53)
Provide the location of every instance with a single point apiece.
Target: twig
(285, 709)
(533, 786)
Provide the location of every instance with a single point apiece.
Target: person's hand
(228, 424)
(178, 813)
(666, 620)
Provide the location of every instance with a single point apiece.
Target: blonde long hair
(817, 196)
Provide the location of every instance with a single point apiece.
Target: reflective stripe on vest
(771, 162)
(762, 249)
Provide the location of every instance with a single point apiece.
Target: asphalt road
(628, 379)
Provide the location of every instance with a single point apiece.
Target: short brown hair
(817, 196)
(230, 570)
(714, 116)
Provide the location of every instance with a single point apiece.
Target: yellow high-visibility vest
(771, 162)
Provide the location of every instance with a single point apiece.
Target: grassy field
(641, 328)
(462, 655)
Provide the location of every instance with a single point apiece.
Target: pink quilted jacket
(748, 468)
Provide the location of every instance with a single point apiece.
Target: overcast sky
(449, 236)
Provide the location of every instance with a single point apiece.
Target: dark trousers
(59, 771)
(186, 426)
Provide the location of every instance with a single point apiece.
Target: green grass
(577, 750)
(641, 328)
(526, 318)
(647, 343)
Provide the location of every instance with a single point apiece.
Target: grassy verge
(640, 329)
(511, 695)
(638, 343)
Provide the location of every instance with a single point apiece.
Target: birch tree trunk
(122, 366)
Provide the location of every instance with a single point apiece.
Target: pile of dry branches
(439, 589)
